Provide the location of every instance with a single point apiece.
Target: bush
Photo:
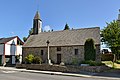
(33, 59)
(37, 60)
(92, 63)
(90, 50)
(75, 61)
(107, 57)
(29, 59)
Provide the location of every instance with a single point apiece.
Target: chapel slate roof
(4, 40)
(64, 38)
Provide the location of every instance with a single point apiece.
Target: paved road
(15, 75)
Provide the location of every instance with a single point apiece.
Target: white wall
(19, 50)
(11, 49)
(13, 41)
(1, 49)
(7, 49)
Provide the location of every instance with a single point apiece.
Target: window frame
(42, 52)
(76, 51)
(58, 48)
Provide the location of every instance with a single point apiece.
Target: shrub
(29, 59)
(33, 59)
(90, 50)
(75, 61)
(107, 57)
(92, 63)
(17, 58)
(37, 60)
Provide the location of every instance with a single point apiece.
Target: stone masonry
(67, 53)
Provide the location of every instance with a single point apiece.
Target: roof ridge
(8, 37)
(70, 30)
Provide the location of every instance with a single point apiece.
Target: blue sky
(16, 16)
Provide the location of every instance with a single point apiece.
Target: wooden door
(58, 58)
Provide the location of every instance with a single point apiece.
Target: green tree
(110, 35)
(30, 33)
(66, 27)
(90, 50)
(24, 39)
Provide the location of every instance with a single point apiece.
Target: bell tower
(37, 24)
(119, 15)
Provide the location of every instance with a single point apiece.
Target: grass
(110, 64)
(118, 61)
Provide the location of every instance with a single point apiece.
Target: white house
(10, 50)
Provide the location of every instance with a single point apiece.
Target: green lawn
(110, 64)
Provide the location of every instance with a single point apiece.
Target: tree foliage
(37, 60)
(30, 33)
(90, 50)
(66, 27)
(33, 59)
(29, 59)
(24, 39)
(111, 36)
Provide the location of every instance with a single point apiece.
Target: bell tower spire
(37, 23)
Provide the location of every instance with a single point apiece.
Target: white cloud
(12, 33)
(47, 28)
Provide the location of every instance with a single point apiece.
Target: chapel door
(58, 58)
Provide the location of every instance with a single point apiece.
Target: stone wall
(58, 68)
(34, 51)
(67, 53)
(98, 54)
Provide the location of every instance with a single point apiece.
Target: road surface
(15, 75)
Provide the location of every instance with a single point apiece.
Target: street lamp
(48, 55)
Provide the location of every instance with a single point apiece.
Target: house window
(58, 48)
(76, 51)
(42, 52)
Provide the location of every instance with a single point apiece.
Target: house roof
(4, 40)
(64, 38)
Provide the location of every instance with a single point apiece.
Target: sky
(16, 16)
